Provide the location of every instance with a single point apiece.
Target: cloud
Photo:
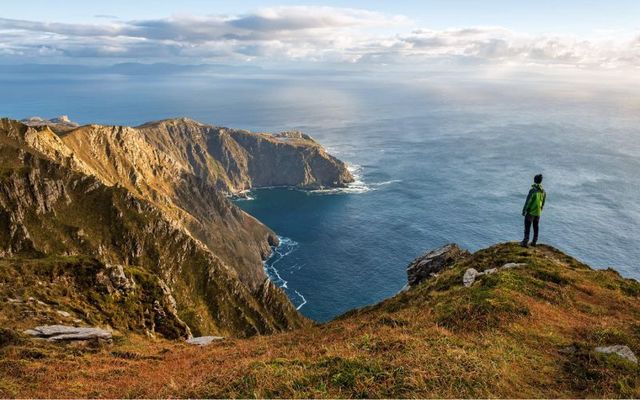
(304, 33)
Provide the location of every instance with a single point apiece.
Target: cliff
(532, 323)
(185, 168)
(150, 200)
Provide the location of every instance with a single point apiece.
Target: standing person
(532, 209)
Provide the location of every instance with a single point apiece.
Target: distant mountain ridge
(164, 184)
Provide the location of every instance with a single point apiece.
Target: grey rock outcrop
(114, 280)
(204, 340)
(56, 333)
(469, 277)
(433, 262)
(619, 350)
(471, 274)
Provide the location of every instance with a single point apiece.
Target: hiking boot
(524, 243)
(533, 243)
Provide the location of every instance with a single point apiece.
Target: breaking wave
(244, 195)
(286, 247)
(357, 186)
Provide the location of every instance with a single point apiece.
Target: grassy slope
(71, 284)
(525, 332)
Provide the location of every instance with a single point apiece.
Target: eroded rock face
(431, 263)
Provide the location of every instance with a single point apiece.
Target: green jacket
(535, 201)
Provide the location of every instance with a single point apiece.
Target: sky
(563, 34)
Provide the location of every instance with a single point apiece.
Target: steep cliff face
(185, 168)
(235, 160)
(53, 202)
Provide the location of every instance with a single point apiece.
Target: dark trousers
(528, 220)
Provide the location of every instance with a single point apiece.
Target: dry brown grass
(532, 335)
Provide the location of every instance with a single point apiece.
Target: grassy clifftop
(527, 331)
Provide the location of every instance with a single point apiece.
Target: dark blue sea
(438, 160)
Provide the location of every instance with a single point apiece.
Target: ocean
(437, 160)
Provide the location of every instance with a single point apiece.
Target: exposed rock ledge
(433, 262)
(57, 333)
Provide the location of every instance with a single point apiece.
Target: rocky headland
(151, 200)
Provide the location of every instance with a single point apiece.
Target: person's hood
(537, 186)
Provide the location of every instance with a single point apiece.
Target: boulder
(471, 274)
(619, 350)
(433, 262)
(469, 277)
(54, 333)
(204, 340)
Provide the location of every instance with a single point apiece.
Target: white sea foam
(377, 184)
(244, 195)
(304, 301)
(286, 247)
(357, 186)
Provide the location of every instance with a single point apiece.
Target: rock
(63, 313)
(204, 340)
(513, 265)
(471, 274)
(489, 271)
(91, 333)
(620, 350)
(54, 333)
(119, 279)
(294, 135)
(469, 277)
(114, 280)
(433, 262)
